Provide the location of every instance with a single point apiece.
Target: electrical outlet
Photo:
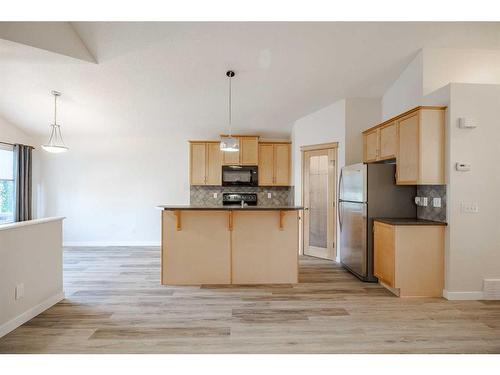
(436, 202)
(269, 195)
(469, 208)
(424, 201)
(215, 195)
(19, 291)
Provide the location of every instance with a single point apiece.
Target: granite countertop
(407, 221)
(228, 208)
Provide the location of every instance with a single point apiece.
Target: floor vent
(491, 288)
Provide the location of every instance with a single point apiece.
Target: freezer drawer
(353, 222)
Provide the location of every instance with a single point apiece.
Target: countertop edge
(222, 208)
(410, 222)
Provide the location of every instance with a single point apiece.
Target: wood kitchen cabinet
(421, 141)
(274, 163)
(416, 140)
(205, 163)
(409, 259)
(247, 155)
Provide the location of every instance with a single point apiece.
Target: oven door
(235, 175)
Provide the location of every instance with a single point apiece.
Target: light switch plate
(269, 195)
(436, 202)
(215, 195)
(469, 208)
(19, 291)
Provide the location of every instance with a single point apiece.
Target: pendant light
(230, 143)
(55, 144)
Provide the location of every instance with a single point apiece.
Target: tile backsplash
(204, 195)
(429, 212)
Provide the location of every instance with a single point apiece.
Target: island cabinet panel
(262, 252)
(249, 150)
(409, 259)
(198, 251)
(198, 160)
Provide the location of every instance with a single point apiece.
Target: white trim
(30, 314)
(464, 296)
(26, 223)
(110, 243)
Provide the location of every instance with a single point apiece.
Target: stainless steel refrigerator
(368, 191)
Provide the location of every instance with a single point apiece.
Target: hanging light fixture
(230, 143)
(55, 144)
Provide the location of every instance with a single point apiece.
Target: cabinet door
(231, 158)
(384, 253)
(408, 150)
(249, 150)
(266, 164)
(282, 164)
(371, 146)
(388, 141)
(198, 163)
(214, 164)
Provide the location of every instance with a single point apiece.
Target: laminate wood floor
(115, 304)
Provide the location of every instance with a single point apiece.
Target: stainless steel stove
(249, 199)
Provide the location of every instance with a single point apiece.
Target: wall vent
(491, 289)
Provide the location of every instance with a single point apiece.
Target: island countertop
(228, 208)
(408, 221)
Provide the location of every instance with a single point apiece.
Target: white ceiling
(158, 78)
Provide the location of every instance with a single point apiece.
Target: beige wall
(30, 254)
(360, 114)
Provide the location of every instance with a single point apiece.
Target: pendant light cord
(55, 109)
(230, 105)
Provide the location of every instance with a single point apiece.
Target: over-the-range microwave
(236, 175)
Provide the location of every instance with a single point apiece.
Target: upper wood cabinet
(247, 155)
(249, 150)
(388, 141)
(205, 163)
(416, 140)
(274, 164)
(371, 142)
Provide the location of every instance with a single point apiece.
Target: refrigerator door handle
(340, 215)
(340, 186)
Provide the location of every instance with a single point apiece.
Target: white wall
(108, 188)
(473, 240)
(444, 65)
(406, 92)
(323, 126)
(30, 254)
(360, 114)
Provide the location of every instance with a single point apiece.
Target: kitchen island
(229, 244)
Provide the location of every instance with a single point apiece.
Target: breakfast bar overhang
(229, 245)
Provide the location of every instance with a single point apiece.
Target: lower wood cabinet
(409, 259)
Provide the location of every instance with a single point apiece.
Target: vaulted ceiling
(157, 79)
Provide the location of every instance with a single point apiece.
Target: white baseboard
(110, 243)
(464, 296)
(30, 314)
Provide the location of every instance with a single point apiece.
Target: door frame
(319, 147)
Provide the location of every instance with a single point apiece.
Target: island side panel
(198, 253)
(262, 253)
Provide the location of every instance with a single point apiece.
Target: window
(6, 184)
